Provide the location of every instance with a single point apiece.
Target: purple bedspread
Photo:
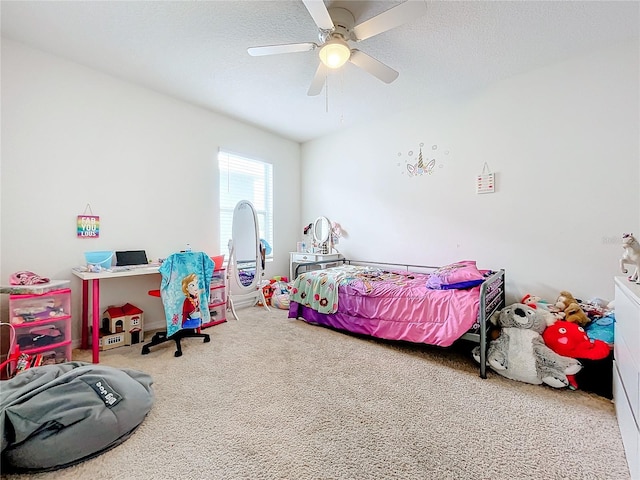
(396, 309)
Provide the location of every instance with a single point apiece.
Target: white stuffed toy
(519, 353)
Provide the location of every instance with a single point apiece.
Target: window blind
(243, 178)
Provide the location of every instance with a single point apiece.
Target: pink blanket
(398, 306)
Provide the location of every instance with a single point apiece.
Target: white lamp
(335, 53)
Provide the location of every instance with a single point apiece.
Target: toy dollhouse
(121, 326)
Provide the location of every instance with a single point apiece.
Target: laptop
(131, 258)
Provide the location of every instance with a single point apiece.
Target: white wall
(563, 140)
(145, 162)
(564, 143)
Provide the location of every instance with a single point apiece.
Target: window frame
(246, 167)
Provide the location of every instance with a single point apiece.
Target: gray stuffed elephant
(519, 353)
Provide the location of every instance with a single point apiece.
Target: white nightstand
(296, 258)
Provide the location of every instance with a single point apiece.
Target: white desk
(94, 278)
(296, 258)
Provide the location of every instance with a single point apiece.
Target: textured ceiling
(197, 51)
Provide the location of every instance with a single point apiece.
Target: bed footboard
(492, 299)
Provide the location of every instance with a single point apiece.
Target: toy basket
(101, 258)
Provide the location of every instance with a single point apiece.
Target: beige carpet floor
(275, 398)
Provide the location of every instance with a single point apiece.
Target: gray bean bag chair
(55, 416)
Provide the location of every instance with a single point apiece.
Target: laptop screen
(131, 257)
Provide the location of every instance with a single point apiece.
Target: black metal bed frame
(492, 299)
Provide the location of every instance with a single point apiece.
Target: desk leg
(84, 343)
(95, 337)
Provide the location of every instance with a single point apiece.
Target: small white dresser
(626, 369)
(296, 258)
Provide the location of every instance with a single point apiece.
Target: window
(243, 178)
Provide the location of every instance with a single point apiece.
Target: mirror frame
(236, 286)
(318, 227)
(245, 295)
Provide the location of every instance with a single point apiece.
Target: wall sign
(88, 225)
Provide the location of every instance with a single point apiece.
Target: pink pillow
(463, 274)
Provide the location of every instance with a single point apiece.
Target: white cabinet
(296, 258)
(626, 370)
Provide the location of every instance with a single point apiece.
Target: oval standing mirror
(246, 262)
(246, 245)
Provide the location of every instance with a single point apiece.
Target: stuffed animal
(519, 353)
(531, 300)
(551, 316)
(570, 340)
(574, 314)
(564, 300)
(572, 310)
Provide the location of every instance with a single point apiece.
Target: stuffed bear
(519, 353)
(574, 314)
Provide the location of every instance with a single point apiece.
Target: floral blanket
(318, 289)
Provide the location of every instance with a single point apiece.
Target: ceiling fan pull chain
(342, 97)
(326, 94)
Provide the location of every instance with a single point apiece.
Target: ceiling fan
(336, 28)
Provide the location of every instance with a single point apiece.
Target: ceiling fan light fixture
(335, 53)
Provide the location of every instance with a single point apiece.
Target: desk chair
(184, 290)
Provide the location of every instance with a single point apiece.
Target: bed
(413, 303)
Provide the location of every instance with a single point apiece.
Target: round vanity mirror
(321, 229)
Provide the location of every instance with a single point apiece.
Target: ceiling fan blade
(392, 18)
(319, 13)
(318, 80)
(373, 66)
(284, 48)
